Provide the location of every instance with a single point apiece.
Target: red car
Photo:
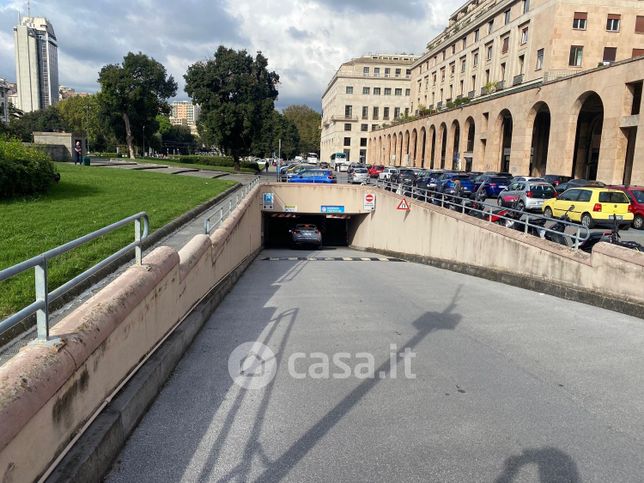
(375, 170)
(636, 195)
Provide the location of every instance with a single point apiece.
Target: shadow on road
(554, 466)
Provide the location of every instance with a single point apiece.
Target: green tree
(81, 113)
(44, 120)
(308, 123)
(277, 128)
(237, 96)
(174, 137)
(131, 96)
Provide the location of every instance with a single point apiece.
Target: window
(364, 127)
(490, 26)
(464, 42)
(473, 82)
(365, 71)
(579, 21)
(385, 113)
(374, 127)
(363, 142)
(347, 141)
(408, 92)
(349, 90)
(347, 127)
(475, 59)
(434, 79)
(453, 49)
(488, 54)
(476, 35)
(576, 55)
(387, 91)
(387, 71)
(398, 92)
(637, 53)
(463, 64)
(408, 72)
(366, 91)
(376, 71)
(398, 72)
(526, 6)
(524, 35)
(376, 91)
(396, 112)
(610, 53)
(347, 153)
(503, 71)
(585, 195)
(639, 24)
(505, 46)
(612, 23)
(506, 16)
(539, 59)
(406, 111)
(375, 114)
(521, 64)
(452, 69)
(348, 111)
(365, 112)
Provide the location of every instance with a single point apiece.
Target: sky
(305, 41)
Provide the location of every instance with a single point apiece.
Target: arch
(432, 131)
(590, 121)
(400, 149)
(394, 150)
(406, 148)
(423, 146)
(504, 128)
(413, 149)
(455, 128)
(469, 129)
(539, 117)
(443, 140)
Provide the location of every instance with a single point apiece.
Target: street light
(143, 154)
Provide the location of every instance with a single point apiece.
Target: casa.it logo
(252, 365)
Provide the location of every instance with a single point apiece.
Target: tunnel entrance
(334, 228)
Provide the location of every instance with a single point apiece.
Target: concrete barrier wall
(47, 393)
(459, 241)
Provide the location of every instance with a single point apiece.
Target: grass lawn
(86, 199)
(170, 162)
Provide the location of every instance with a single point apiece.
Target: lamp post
(87, 127)
(143, 153)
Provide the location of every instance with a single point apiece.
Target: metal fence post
(577, 235)
(42, 295)
(138, 252)
(442, 200)
(525, 226)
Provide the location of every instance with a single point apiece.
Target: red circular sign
(368, 198)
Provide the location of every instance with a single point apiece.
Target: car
(490, 186)
(353, 166)
(406, 176)
(294, 169)
(386, 173)
(526, 178)
(375, 170)
(478, 180)
(306, 234)
(429, 181)
(314, 176)
(576, 183)
(458, 184)
(526, 195)
(359, 175)
(324, 165)
(636, 195)
(555, 179)
(592, 206)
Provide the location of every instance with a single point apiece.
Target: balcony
(517, 80)
(500, 85)
(471, 94)
(344, 118)
(439, 105)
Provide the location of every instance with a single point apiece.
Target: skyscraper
(36, 64)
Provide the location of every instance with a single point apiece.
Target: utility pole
(279, 158)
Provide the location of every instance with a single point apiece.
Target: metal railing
(469, 206)
(225, 211)
(40, 306)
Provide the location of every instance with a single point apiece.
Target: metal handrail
(223, 213)
(582, 233)
(40, 306)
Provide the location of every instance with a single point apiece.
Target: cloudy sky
(305, 41)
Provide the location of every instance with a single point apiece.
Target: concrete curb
(548, 287)
(93, 454)
(154, 238)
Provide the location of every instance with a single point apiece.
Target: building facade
(4, 101)
(36, 64)
(563, 95)
(185, 113)
(363, 94)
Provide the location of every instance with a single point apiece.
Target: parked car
(375, 170)
(429, 181)
(306, 235)
(314, 176)
(490, 186)
(526, 178)
(577, 183)
(591, 206)
(478, 180)
(386, 173)
(359, 175)
(449, 183)
(526, 195)
(324, 165)
(636, 195)
(406, 176)
(556, 180)
(294, 169)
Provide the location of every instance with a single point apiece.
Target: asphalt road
(510, 385)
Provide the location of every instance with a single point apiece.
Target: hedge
(214, 161)
(24, 171)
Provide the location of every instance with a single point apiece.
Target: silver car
(526, 195)
(308, 235)
(359, 175)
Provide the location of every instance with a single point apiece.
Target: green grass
(169, 162)
(85, 200)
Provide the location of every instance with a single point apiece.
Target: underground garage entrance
(335, 229)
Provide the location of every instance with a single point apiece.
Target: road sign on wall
(403, 205)
(369, 202)
(268, 201)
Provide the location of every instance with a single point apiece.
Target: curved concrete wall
(48, 392)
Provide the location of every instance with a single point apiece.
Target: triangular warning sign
(403, 205)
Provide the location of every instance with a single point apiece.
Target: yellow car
(591, 206)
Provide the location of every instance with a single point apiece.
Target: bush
(224, 161)
(24, 171)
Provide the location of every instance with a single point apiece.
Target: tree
(81, 113)
(131, 96)
(308, 123)
(237, 96)
(174, 137)
(45, 120)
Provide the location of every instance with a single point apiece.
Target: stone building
(362, 95)
(531, 87)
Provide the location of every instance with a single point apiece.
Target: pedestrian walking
(266, 166)
(78, 151)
